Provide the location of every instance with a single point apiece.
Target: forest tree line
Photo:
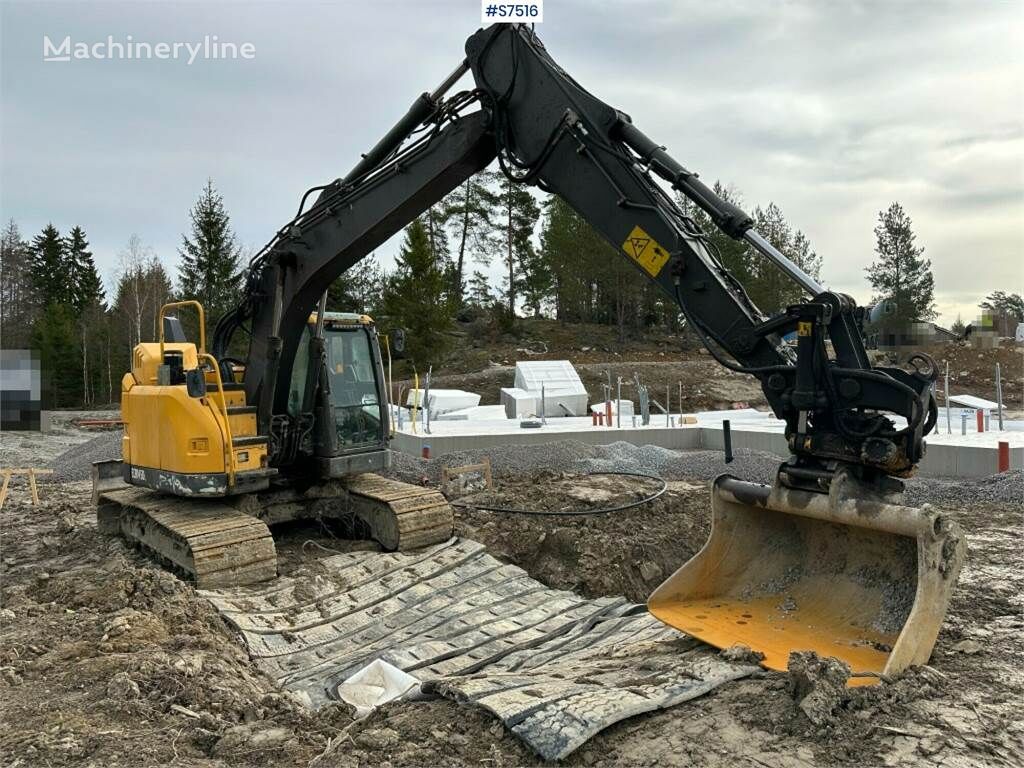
(552, 263)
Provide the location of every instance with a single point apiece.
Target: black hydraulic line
(577, 512)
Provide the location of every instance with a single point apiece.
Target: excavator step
(242, 421)
(245, 441)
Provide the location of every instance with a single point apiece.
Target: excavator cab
(343, 386)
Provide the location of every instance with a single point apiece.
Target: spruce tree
(87, 302)
(900, 272)
(87, 288)
(414, 298)
(209, 268)
(52, 278)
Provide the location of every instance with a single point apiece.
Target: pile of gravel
(680, 465)
(76, 463)
(954, 492)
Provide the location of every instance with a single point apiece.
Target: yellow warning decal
(645, 251)
(803, 329)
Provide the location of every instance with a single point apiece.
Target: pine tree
(1001, 302)
(414, 298)
(470, 212)
(518, 215)
(900, 272)
(733, 254)
(537, 281)
(209, 269)
(478, 291)
(359, 289)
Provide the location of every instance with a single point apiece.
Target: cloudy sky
(830, 109)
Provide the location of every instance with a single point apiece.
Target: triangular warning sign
(639, 243)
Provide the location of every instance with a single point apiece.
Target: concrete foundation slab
(971, 455)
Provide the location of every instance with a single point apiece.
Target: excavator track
(206, 540)
(227, 542)
(400, 516)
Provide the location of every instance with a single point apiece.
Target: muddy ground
(106, 659)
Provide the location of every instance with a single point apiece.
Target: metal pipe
(949, 428)
(999, 396)
(321, 310)
(543, 405)
(727, 440)
(668, 408)
(618, 402)
(449, 81)
(426, 399)
(774, 255)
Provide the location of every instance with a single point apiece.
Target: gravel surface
(1005, 488)
(572, 456)
(76, 462)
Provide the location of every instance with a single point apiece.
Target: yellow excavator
(826, 558)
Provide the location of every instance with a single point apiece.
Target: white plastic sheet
(375, 685)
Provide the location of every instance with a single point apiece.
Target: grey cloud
(832, 110)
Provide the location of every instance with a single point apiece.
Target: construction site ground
(106, 659)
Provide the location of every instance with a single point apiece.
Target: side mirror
(195, 383)
(398, 343)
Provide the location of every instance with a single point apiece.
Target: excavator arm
(547, 130)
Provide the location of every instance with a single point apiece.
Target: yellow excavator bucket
(846, 574)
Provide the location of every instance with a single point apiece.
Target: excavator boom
(831, 524)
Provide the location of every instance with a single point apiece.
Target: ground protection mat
(555, 667)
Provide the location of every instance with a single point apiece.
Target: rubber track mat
(557, 668)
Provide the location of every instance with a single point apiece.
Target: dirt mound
(621, 553)
(137, 669)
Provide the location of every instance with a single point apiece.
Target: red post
(600, 419)
(981, 419)
(1004, 456)
(593, 417)
(608, 412)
